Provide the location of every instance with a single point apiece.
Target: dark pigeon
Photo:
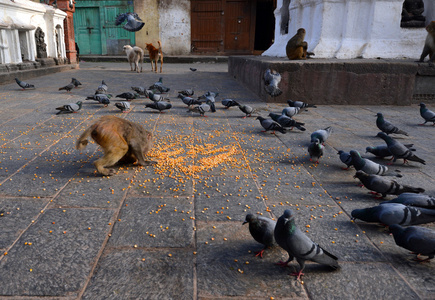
(269, 124)
(68, 87)
(134, 23)
(229, 103)
(159, 86)
(124, 106)
(299, 104)
(414, 200)
(321, 134)
(387, 127)
(366, 165)
(345, 158)
(315, 149)
(159, 105)
(247, 110)
(75, 82)
(189, 101)
(399, 150)
(261, 229)
(287, 122)
(426, 114)
(128, 96)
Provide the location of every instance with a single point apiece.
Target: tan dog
(134, 55)
(154, 54)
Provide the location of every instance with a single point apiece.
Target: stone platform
(335, 81)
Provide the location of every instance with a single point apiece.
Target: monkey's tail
(82, 142)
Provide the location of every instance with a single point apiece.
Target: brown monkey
(296, 47)
(121, 140)
(429, 45)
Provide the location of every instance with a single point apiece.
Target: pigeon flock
(410, 208)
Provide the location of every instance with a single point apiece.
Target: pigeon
(287, 122)
(24, 85)
(321, 134)
(425, 113)
(419, 240)
(75, 82)
(271, 81)
(159, 86)
(290, 111)
(201, 109)
(315, 149)
(69, 108)
(193, 69)
(102, 89)
(299, 246)
(383, 151)
(387, 127)
(345, 158)
(134, 23)
(414, 200)
(123, 106)
(140, 90)
(187, 92)
(248, 110)
(385, 186)
(269, 124)
(261, 229)
(229, 103)
(395, 213)
(399, 150)
(156, 97)
(189, 100)
(300, 104)
(159, 105)
(128, 96)
(101, 98)
(210, 96)
(67, 87)
(366, 165)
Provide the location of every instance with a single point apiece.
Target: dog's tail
(160, 45)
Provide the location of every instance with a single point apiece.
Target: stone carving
(41, 46)
(412, 14)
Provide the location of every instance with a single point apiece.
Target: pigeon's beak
(245, 222)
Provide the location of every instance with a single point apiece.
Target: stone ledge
(9, 72)
(334, 81)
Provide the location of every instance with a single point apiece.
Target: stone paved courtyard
(174, 230)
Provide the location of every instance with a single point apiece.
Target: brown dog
(121, 140)
(155, 54)
(134, 56)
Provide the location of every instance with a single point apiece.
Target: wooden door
(207, 25)
(239, 34)
(87, 30)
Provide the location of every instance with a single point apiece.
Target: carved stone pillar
(68, 6)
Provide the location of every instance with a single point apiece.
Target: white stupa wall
(18, 22)
(350, 28)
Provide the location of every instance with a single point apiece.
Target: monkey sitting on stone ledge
(429, 44)
(296, 47)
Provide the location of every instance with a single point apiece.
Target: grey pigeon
(269, 124)
(201, 109)
(299, 246)
(229, 103)
(75, 82)
(247, 110)
(134, 23)
(383, 151)
(140, 90)
(189, 101)
(345, 158)
(299, 104)
(128, 96)
(123, 106)
(210, 97)
(419, 240)
(399, 150)
(159, 86)
(187, 92)
(414, 200)
(67, 87)
(261, 229)
(366, 165)
(101, 98)
(386, 126)
(208, 94)
(24, 85)
(156, 97)
(384, 186)
(290, 111)
(425, 113)
(271, 81)
(69, 108)
(287, 122)
(321, 134)
(102, 89)
(315, 149)
(395, 213)
(159, 105)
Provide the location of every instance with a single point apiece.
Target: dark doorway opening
(264, 25)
